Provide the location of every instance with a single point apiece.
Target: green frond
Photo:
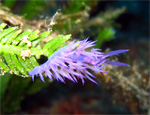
(20, 50)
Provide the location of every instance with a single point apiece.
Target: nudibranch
(74, 62)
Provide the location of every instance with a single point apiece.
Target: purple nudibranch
(73, 62)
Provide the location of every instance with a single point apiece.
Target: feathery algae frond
(20, 50)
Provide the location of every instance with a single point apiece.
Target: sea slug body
(73, 62)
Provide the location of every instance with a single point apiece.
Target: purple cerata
(74, 62)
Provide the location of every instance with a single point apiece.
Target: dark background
(75, 98)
